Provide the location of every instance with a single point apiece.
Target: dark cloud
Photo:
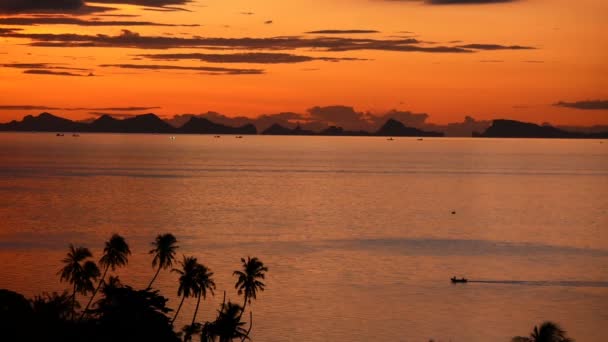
(147, 3)
(465, 2)
(17, 6)
(34, 107)
(130, 39)
(342, 32)
(342, 116)
(495, 47)
(585, 105)
(456, 2)
(208, 70)
(249, 57)
(49, 6)
(51, 72)
(75, 21)
(40, 66)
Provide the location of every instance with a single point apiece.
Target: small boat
(457, 280)
(217, 136)
(420, 139)
(239, 137)
(390, 139)
(75, 135)
(59, 134)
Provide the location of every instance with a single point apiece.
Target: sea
(361, 235)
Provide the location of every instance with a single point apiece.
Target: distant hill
(277, 129)
(204, 126)
(146, 123)
(44, 122)
(395, 128)
(516, 129)
(339, 131)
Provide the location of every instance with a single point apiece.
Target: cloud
(147, 3)
(40, 66)
(465, 2)
(16, 6)
(49, 6)
(495, 47)
(50, 72)
(130, 39)
(76, 21)
(249, 57)
(456, 2)
(342, 32)
(208, 70)
(35, 107)
(584, 105)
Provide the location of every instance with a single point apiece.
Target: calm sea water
(358, 232)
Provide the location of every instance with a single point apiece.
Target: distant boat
(420, 139)
(59, 134)
(239, 137)
(171, 138)
(457, 280)
(216, 136)
(75, 135)
(390, 139)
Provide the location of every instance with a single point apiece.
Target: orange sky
(567, 62)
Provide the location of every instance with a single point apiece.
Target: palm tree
(164, 253)
(227, 326)
(204, 282)
(79, 272)
(188, 285)
(548, 332)
(248, 282)
(115, 254)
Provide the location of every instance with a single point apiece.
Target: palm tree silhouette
(227, 326)
(164, 253)
(248, 282)
(204, 281)
(115, 254)
(548, 332)
(188, 285)
(79, 272)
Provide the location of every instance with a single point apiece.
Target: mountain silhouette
(516, 129)
(395, 128)
(203, 126)
(277, 129)
(45, 122)
(339, 131)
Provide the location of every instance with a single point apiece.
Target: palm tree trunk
(154, 278)
(196, 310)
(178, 308)
(94, 292)
(74, 302)
(244, 305)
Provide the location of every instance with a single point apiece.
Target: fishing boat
(458, 280)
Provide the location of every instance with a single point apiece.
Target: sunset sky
(530, 60)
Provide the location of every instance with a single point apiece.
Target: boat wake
(566, 283)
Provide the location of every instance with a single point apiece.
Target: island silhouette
(151, 123)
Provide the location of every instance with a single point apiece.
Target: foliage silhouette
(204, 282)
(164, 253)
(187, 281)
(115, 254)
(79, 272)
(548, 332)
(227, 326)
(248, 282)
